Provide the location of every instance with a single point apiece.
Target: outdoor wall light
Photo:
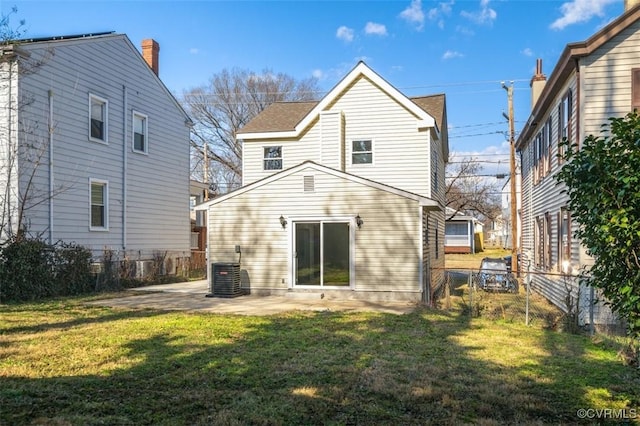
(283, 221)
(359, 221)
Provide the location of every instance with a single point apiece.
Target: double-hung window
(99, 202)
(565, 111)
(272, 158)
(98, 116)
(362, 151)
(140, 140)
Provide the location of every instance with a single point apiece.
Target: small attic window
(309, 184)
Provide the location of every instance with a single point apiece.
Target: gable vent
(309, 184)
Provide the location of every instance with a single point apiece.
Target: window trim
(565, 113)
(362, 152)
(105, 186)
(564, 230)
(265, 159)
(105, 104)
(145, 126)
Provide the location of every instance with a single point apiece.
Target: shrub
(31, 269)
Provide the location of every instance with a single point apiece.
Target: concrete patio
(191, 296)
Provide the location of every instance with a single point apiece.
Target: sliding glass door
(322, 253)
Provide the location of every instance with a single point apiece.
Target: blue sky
(461, 48)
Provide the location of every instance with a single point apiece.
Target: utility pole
(512, 162)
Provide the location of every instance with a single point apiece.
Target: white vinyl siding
(332, 140)
(605, 90)
(387, 248)
(605, 78)
(402, 152)
(154, 202)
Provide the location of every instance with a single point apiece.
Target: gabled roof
(568, 63)
(289, 119)
(453, 215)
(55, 41)
(423, 201)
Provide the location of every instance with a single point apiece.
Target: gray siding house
(594, 80)
(94, 149)
(341, 198)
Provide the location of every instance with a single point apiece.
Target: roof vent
(309, 184)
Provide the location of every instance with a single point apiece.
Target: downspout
(51, 183)
(578, 106)
(124, 167)
(10, 157)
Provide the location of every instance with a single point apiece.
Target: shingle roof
(434, 106)
(279, 116)
(284, 116)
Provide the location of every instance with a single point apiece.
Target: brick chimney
(537, 83)
(151, 53)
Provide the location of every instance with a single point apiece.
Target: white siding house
(94, 148)
(342, 197)
(593, 81)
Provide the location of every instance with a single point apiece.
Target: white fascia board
(267, 135)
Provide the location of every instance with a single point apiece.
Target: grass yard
(472, 260)
(63, 363)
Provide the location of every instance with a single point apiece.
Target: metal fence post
(592, 328)
(528, 282)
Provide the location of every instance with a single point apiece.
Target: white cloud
(486, 15)
(194, 50)
(438, 13)
(319, 74)
(413, 14)
(375, 29)
(465, 31)
(577, 11)
(451, 54)
(345, 33)
(527, 52)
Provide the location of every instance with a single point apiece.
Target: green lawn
(63, 363)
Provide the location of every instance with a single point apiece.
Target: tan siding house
(341, 198)
(592, 81)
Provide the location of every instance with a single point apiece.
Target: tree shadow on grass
(427, 367)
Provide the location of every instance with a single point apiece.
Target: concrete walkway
(191, 296)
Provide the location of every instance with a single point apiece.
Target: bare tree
(469, 190)
(23, 143)
(219, 109)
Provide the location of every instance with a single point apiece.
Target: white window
(140, 141)
(565, 111)
(272, 158)
(99, 204)
(362, 151)
(98, 124)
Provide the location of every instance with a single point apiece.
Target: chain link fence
(577, 308)
(523, 306)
